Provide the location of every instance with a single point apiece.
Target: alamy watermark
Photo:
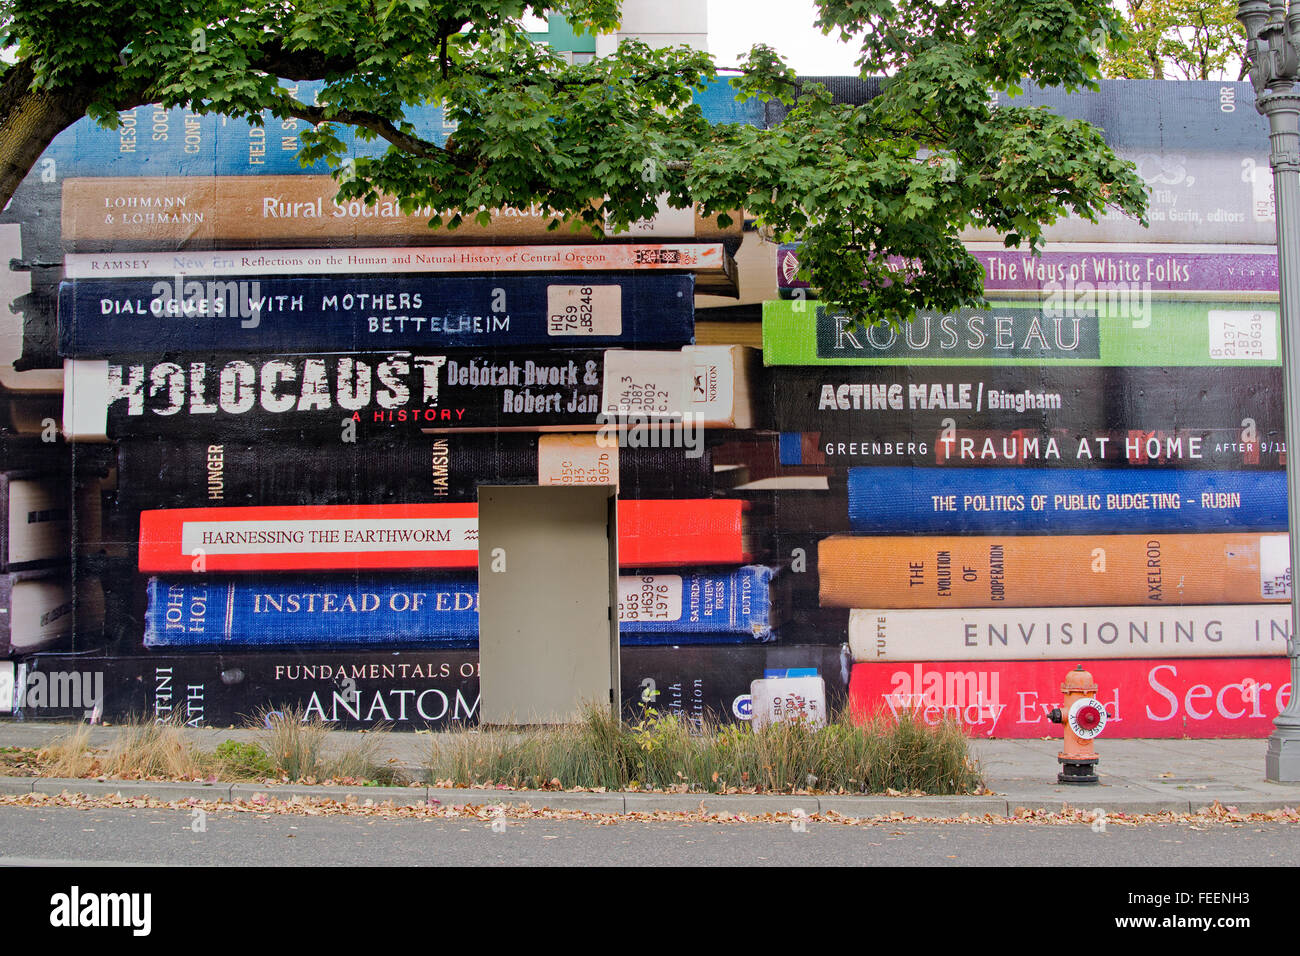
(63, 690)
(1107, 300)
(618, 430)
(189, 298)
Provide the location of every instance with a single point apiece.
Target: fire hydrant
(1085, 716)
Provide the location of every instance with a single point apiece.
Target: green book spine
(1133, 332)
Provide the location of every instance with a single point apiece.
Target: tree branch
(366, 120)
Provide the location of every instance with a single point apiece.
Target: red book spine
(666, 533)
(309, 537)
(652, 533)
(1152, 698)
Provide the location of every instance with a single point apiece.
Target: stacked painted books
(1089, 470)
(300, 399)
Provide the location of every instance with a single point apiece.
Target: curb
(619, 802)
(158, 789)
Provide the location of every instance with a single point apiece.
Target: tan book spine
(180, 211)
(1053, 571)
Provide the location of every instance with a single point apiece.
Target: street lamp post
(1273, 52)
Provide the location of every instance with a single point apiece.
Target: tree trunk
(29, 120)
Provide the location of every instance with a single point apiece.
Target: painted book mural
(244, 429)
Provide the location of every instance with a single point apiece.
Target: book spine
(1036, 448)
(1143, 114)
(152, 141)
(1017, 501)
(802, 511)
(309, 537)
(30, 454)
(193, 212)
(1051, 571)
(643, 257)
(422, 468)
(35, 520)
(1137, 113)
(1132, 331)
(243, 611)
(696, 683)
(651, 533)
(383, 393)
(41, 608)
(410, 689)
(658, 534)
(738, 602)
(1144, 698)
(1142, 268)
(357, 688)
(33, 612)
(1034, 634)
(1225, 194)
(688, 638)
(184, 316)
(905, 403)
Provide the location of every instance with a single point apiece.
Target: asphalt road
(58, 836)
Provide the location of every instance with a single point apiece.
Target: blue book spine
(1153, 116)
(790, 448)
(273, 611)
(1066, 501)
(361, 313)
(740, 602)
(151, 141)
(260, 611)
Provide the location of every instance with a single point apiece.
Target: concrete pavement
(1137, 776)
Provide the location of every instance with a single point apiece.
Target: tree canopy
(880, 189)
(1180, 39)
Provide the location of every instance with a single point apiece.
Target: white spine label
(655, 384)
(584, 310)
(576, 460)
(340, 536)
(1274, 566)
(649, 597)
(1244, 334)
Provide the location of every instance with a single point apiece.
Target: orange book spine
(1053, 571)
(179, 210)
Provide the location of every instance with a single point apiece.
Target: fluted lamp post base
(1273, 55)
(1282, 759)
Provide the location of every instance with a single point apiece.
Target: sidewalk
(1137, 776)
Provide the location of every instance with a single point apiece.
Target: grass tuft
(155, 748)
(665, 752)
(303, 749)
(67, 756)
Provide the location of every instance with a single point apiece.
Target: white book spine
(1068, 633)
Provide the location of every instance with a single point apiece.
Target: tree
(1191, 39)
(880, 189)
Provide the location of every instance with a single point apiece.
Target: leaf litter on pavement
(267, 804)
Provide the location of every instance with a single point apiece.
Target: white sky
(784, 25)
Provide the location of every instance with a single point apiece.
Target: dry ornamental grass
(665, 752)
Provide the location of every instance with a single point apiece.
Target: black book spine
(423, 468)
(919, 405)
(1187, 449)
(357, 395)
(413, 689)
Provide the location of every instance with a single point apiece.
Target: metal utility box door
(548, 621)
